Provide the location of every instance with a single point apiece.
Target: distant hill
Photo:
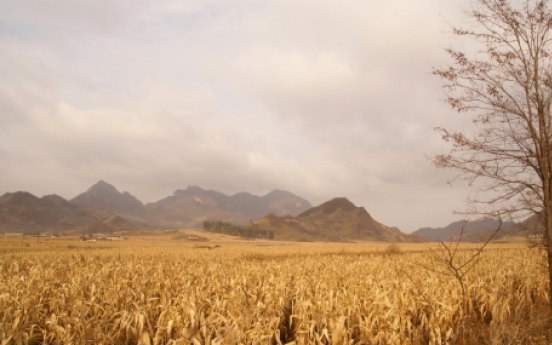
(335, 220)
(474, 231)
(531, 226)
(280, 202)
(23, 212)
(103, 196)
(107, 226)
(190, 207)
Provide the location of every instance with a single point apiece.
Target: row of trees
(251, 231)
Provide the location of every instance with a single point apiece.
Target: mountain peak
(335, 220)
(20, 198)
(189, 191)
(194, 188)
(283, 202)
(337, 203)
(55, 199)
(331, 206)
(104, 196)
(102, 186)
(277, 193)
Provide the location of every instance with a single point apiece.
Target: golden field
(156, 290)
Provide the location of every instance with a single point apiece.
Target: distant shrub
(392, 249)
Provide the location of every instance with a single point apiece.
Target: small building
(114, 238)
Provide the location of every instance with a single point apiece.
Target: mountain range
(192, 206)
(23, 212)
(479, 230)
(102, 208)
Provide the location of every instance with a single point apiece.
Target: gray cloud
(321, 98)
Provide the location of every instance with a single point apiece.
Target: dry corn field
(315, 294)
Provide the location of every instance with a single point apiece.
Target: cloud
(320, 98)
(292, 73)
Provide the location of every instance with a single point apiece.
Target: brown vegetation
(172, 292)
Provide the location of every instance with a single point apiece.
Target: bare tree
(449, 263)
(507, 85)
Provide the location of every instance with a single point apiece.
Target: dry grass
(167, 292)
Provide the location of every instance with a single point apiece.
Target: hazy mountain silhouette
(192, 206)
(103, 196)
(23, 212)
(474, 231)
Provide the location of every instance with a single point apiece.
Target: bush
(392, 249)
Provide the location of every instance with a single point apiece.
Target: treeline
(252, 231)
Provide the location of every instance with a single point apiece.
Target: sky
(320, 98)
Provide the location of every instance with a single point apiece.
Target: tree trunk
(548, 241)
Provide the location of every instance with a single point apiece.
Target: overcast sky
(321, 98)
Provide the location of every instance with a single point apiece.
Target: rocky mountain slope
(25, 213)
(190, 207)
(335, 220)
(103, 196)
(107, 225)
